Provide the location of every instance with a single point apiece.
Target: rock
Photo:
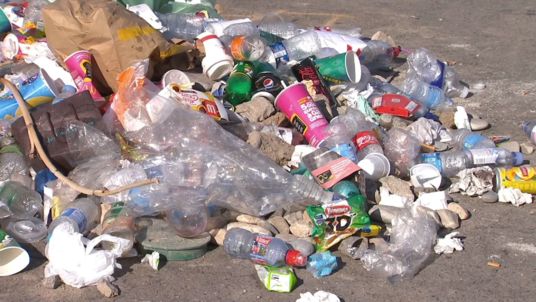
(306, 217)
(478, 124)
(380, 35)
(353, 247)
(290, 237)
(449, 219)
(51, 282)
(250, 227)
(276, 149)
(254, 139)
(256, 110)
(280, 224)
(398, 187)
(459, 210)
(249, 219)
(512, 146)
(293, 217)
(108, 289)
(446, 118)
(301, 229)
(278, 119)
(527, 148)
(384, 214)
(490, 197)
(218, 235)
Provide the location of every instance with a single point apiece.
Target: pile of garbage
(163, 129)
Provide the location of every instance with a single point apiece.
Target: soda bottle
(247, 48)
(240, 84)
(261, 249)
(83, 215)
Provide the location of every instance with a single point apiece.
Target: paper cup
(375, 165)
(13, 258)
(343, 67)
(79, 65)
(5, 24)
(425, 176)
(299, 107)
(175, 76)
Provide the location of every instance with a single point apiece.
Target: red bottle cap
(295, 258)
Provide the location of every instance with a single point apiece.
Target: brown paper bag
(116, 38)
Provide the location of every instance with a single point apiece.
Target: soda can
(306, 71)
(522, 178)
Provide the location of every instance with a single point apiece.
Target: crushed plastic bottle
(466, 139)
(82, 215)
(18, 201)
(429, 95)
(529, 127)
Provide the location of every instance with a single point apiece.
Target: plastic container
(451, 162)
(261, 249)
(465, 139)
(522, 178)
(529, 127)
(83, 215)
(183, 26)
(247, 48)
(188, 219)
(118, 223)
(18, 201)
(274, 28)
(378, 55)
(431, 96)
(217, 63)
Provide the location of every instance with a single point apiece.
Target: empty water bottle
(297, 47)
(466, 139)
(378, 54)
(431, 96)
(82, 215)
(529, 127)
(261, 249)
(183, 26)
(451, 162)
(274, 28)
(17, 200)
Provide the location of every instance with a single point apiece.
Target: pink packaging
(299, 107)
(79, 64)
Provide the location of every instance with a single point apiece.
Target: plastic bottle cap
(295, 258)
(519, 158)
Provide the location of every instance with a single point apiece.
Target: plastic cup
(375, 165)
(13, 258)
(344, 67)
(5, 24)
(175, 76)
(79, 64)
(299, 107)
(425, 176)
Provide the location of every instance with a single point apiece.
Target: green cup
(5, 25)
(13, 258)
(344, 67)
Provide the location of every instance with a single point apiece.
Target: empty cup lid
(13, 259)
(425, 176)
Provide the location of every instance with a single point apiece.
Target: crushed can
(522, 178)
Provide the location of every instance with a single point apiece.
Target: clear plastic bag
(402, 149)
(413, 236)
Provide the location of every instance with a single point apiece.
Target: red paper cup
(79, 64)
(299, 107)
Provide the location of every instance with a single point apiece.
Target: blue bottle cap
(519, 158)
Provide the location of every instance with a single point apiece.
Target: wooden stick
(34, 140)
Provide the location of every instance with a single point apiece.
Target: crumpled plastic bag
(474, 182)
(449, 244)
(514, 196)
(319, 296)
(413, 235)
(74, 259)
(426, 131)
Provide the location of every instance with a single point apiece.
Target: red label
(365, 138)
(259, 249)
(337, 210)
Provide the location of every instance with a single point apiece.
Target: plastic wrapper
(196, 154)
(338, 220)
(322, 264)
(425, 130)
(402, 150)
(413, 236)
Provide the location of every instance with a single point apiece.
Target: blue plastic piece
(322, 264)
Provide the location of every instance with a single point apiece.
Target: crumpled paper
(449, 244)
(152, 259)
(473, 182)
(319, 296)
(393, 200)
(425, 130)
(514, 196)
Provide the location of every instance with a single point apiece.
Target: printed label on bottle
(411, 107)
(345, 150)
(334, 171)
(78, 217)
(472, 140)
(484, 156)
(440, 81)
(434, 159)
(364, 139)
(280, 53)
(259, 249)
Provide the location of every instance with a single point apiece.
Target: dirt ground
(491, 42)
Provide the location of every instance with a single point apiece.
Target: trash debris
(322, 264)
(514, 196)
(277, 279)
(153, 259)
(449, 244)
(319, 296)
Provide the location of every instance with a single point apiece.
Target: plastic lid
(295, 258)
(519, 158)
(13, 259)
(27, 230)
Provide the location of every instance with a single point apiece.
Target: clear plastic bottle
(378, 54)
(452, 162)
(275, 28)
(183, 26)
(425, 93)
(83, 215)
(297, 47)
(466, 139)
(189, 219)
(529, 127)
(117, 222)
(247, 48)
(261, 249)
(12, 165)
(18, 201)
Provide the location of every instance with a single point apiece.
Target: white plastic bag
(73, 258)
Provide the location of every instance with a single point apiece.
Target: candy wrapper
(338, 220)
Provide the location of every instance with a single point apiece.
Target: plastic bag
(413, 236)
(425, 130)
(86, 142)
(73, 258)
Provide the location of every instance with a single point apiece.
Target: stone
(218, 236)
(250, 227)
(276, 149)
(527, 148)
(305, 247)
(293, 217)
(107, 289)
(306, 217)
(381, 36)
(278, 119)
(256, 110)
(478, 124)
(398, 187)
(449, 219)
(254, 139)
(447, 119)
(280, 224)
(384, 214)
(512, 146)
(290, 238)
(249, 219)
(490, 197)
(301, 229)
(459, 210)
(51, 282)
